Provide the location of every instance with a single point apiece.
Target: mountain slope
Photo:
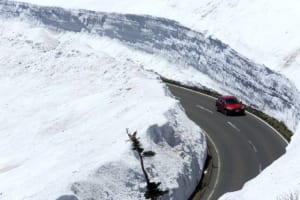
(65, 107)
(232, 73)
(265, 31)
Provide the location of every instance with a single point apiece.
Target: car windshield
(232, 101)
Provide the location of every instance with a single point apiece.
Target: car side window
(220, 100)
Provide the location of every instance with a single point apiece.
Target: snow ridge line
(254, 84)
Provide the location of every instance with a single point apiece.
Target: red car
(230, 105)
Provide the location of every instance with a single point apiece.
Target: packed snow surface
(65, 106)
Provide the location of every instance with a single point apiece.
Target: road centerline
(253, 146)
(260, 168)
(234, 126)
(205, 109)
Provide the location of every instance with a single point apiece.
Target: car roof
(228, 97)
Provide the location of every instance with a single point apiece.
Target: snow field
(65, 107)
(265, 31)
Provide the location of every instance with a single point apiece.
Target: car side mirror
(241, 102)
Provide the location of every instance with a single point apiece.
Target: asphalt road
(244, 145)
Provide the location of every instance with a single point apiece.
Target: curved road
(245, 145)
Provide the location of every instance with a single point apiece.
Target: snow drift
(65, 107)
(228, 71)
(265, 31)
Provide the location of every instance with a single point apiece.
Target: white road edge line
(215, 147)
(271, 127)
(253, 146)
(191, 90)
(205, 109)
(234, 126)
(219, 165)
(246, 111)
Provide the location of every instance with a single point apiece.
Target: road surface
(244, 145)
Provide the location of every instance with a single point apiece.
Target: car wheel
(226, 112)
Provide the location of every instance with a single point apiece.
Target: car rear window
(232, 101)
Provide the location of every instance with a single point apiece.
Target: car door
(222, 104)
(219, 104)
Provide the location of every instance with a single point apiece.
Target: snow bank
(65, 107)
(263, 30)
(188, 51)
